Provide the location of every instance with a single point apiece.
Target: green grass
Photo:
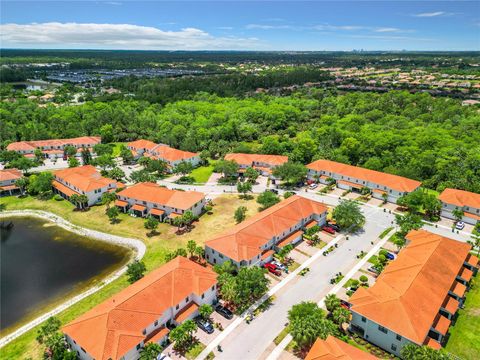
(281, 336)
(116, 148)
(348, 283)
(202, 174)
(373, 259)
(295, 265)
(194, 351)
(321, 244)
(431, 191)
(385, 232)
(464, 339)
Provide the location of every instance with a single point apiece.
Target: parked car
(372, 269)
(222, 310)
(460, 225)
(313, 186)
(273, 191)
(328, 229)
(390, 256)
(344, 304)
(205, 325)
(272, 268)
(334, 226)
(280, 266)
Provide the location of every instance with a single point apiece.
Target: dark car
(205, 325)
(334, 227)
(328, 229)
(390, 256)
(227, 314)
(273, 191)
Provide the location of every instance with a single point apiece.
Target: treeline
(435, 140)
(13, 75)
(164, 90)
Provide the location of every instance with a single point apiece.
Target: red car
(272, 268)
(328, 229)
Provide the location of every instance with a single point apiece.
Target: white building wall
(195, 209)
(447, 210)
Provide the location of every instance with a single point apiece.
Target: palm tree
(476, 242)
(191, 247)
(340, 316)
(83, 199)
(457, 214)
(107, 198)
(332, 302)
(150, 351)
(200, 252)
(22, 184)
(75, 200)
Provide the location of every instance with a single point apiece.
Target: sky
(241, 25)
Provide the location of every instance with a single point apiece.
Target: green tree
(251, 174)
(104, 162)
(227, 168)
(240, 214)
(73, 162)
(117, 174)
(113, 214)
(86, 156)
(135, 271)
(475, 242)
(205, 310)
(40, 183)
(22, 184)
(126, 155)
(340, 316)
(244, 188)
(107, 198)
(267, 199)
(38, 155)
(22, 164)
(151, 224)
(103, 149)
(200, 253)
(191, 247)
(150, 351)
(348, 215)
(408, 222)
(414, 352)
(332, 302)
(291, 173)
(70, 150)
(106, 132)
(183, 168)
(142, 176)
(50, 336)
(182, 335)
(227, 267)
(458, 214)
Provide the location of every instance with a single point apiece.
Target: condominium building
(335, 349)
(54, 148)
(262, 163)
(466, 201)
(144, 199)
(143, 312)
(253, 241)
(355, 178)
(83, 180)
(416, 297)
(8, 177)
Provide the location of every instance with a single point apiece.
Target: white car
(313, 186)
(460, 225)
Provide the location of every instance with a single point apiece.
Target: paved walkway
(136, 245)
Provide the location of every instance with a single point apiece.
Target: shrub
(363, 278)
(58, 197)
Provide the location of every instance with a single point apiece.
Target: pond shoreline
(137, 246)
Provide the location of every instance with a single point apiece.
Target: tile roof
(114, 327)
(85, 178)
(121, 203)
(459, 289)
(408, 294)
(451, 305)
(243, 241)
(64, 189)
(142, 144)
(186, 312)
(10, 174)
(335, 349)
(156, 194)
(460, 198)
(161, 151)
(288, 240)
(394, 182)
(32, 145)
(248, 159)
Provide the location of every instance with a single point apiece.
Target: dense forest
(433, 140)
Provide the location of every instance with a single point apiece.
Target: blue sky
(247, 25)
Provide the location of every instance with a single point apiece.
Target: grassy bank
(157, 246)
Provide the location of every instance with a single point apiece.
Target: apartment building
(54, 148)
(466, 201)
(163, 152)
(264, 164)
(143, 312)
(254, 241)
(332, 348)
(355, 178)
(416, 297)
(144, 199)
(8, 177)
(83, 180)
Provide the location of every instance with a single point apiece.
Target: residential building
(143, 312)
(264, 164)
(416, 297)
(464, 200)
(355, 178)
(163, 152)
(83, 180)
(253, 241)
(145, 199)
(8, 177)
(335, 349)
(54, 148)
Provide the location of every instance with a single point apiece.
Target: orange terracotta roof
(349, 183)
(460, 198)
(335, 349)
(156, 194)
(139, 207)
(8, 187)
(433, 344)
(288, 240)
(142, 144)
(408, 294)
(243, 241)
(114, 327)
(32, 145)
(442, 324)
(267, 254)
(157, 335)
(174, 215)
(20, 146)
(64, 189)
(395, 182)
(121, 203)
(158, 212)
(85, 178)
(248, 159)
(466, 274)
(186, 312)
(167, 153)
(10, 174)
(451, 305)
(459, 289)
(311, 224)
(379, 191)
(472, 260)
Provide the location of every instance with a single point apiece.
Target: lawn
(157, 246)
(116, 148)
(202, 173)
(281, 336)
(194, 351)
(464, 339)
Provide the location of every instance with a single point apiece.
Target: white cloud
(327, 27)
(116, 36)
(267, 27)
(433, 14)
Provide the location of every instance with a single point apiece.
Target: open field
(202, 173)
(464, 341)
(157, 246)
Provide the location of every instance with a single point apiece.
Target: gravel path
(134, 244)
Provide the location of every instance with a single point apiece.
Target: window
(382, 329)
(203, 296)
(213, 287)
(399, 338)
(176, 307)
(144, 332)
(83, 350)
(394, 347)
(221, 256)
(138, 346)
(364, 319)
(155, 323)
(186, 299)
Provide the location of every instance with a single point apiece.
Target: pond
(43, 264)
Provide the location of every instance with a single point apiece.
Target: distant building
(355, 178)
(262, 163)
(54, 148)
(466, 201)
(171, 156)
(8, 177)
(416, 297)
(335, 349)
(470, 102)
(253, 241)
(83, 180)
(145, 199)
(143, 312)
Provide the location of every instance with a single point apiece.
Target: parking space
(325, 237)
(304, 248)
(337, 192)
(262, 181)
(391, 206)
(352, 196)
(375, 202)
